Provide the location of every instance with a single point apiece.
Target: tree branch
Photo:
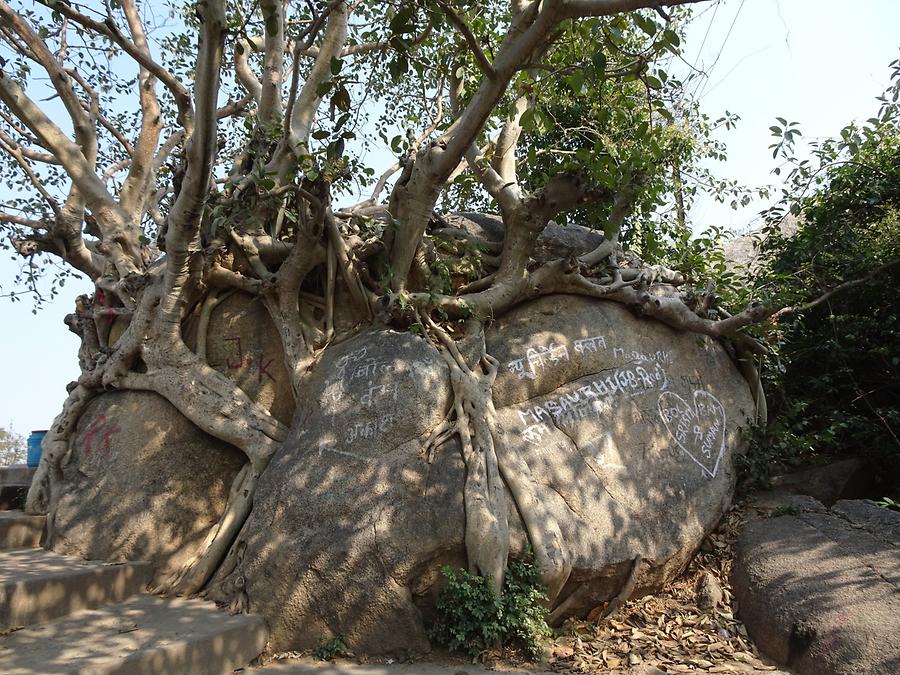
(303, 109)
(109, 30)
(184, 218)
(460, 24)
(584, 8)
(139, 183)
(119, 237)
(273, 60)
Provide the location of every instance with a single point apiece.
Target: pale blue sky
(819, 62)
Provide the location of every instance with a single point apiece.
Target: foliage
(328, 650)
(472, 618)
(12, 448)
(888, 503)
(834, 387)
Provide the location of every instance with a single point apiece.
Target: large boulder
(141, 482)
(817, 588)
(629, 430)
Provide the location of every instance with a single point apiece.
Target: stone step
(37, 585)
(142, 635)
(18, 530)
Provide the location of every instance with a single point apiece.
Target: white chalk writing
(368, 430)
(379, 392)
(327, 447)
(659, 356)
(538, 358)
(590, 344)
(698, 429)
(589, 398)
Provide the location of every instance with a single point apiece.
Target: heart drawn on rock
(698, 429)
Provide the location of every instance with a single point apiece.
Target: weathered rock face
(817, 588)
(631, 426)
(141, 483)
(243, 343)
(349, 515)
(628, 428)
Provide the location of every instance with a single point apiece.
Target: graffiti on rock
(99, 437)
(697, 427)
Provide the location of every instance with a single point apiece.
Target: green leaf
(324, 88)
(341, 99)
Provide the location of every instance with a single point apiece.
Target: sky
(818, 62)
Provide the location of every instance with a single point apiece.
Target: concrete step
(18, 530)
(142, 635)
(37, 585)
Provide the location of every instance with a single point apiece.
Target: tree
(12, 448)
(233, 185)
(846, 197)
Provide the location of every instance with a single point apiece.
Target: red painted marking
(263, 369)
(99, 436)
(240, 363)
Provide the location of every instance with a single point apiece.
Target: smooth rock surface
(628, 428)
(141, 483)
(818, 588)
(555, 241)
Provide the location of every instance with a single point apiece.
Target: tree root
(624, 593)
(195, 573)
(744, 358)
(488, 460)
(43, 495)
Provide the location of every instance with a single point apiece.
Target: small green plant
(888, 503)
(784, 511)
(471, 618)
(327, 650)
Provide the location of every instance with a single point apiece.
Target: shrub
(471, 618)
(834, 389)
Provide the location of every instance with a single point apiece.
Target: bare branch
(578, 8)
(138, 186)
(109, 30)
(184, 219)
(93, 109)
(37, 225)
(28, 153)
(790, 312)
(460, 24)
(270, 96)
(118, 235)
(504, 158)
(242, 69)
(303, 109)
(17, 154)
